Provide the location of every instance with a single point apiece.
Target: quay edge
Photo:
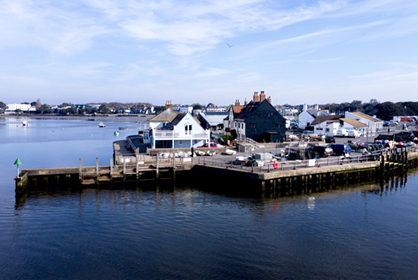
(116, 176)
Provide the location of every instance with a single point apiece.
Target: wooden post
(124, 166)
(97, 170)
(80, 174)
(137, 161)
(157, 166)
(111, 168)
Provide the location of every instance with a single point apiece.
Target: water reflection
(172, 193)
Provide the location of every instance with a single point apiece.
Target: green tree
(2, 106)
(197, 107)
(387, 110)
(104, 109)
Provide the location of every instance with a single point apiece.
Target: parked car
(329, 139)
(318, 151)
(406, 136)
(341, 149)
(212, 145)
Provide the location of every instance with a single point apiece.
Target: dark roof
(177, 119)
(248, 109)
(323, 118)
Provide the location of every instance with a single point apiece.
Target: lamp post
(17, 162)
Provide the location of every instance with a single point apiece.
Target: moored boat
(101, 124)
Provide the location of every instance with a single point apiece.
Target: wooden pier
(301, 180)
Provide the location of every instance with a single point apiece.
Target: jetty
(285, 176)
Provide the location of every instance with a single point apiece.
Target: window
(180, 142)
(277, 125)
(188, 129)
(327, 129)
(252, 125)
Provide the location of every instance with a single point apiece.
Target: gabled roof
(247, 109)
(177, 119)
(213, 119)
(323, 118)
(354, 122)
(237, 110)
(365, 116)
(166, 116)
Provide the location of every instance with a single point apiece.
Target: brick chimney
(256, 97)
(169, 104)
(262, 96)
(237, 102)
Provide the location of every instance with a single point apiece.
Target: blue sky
(152, 51)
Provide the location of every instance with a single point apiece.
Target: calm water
(184, 232)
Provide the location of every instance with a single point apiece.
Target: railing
(171, 134)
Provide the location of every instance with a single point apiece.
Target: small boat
(211, 153)
(101, 124)
(116, 133)
(25, 123)
(123, 128)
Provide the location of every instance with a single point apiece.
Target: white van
(342, 133)
(353, 133)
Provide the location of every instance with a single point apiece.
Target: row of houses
(257, 119)
(325, 124)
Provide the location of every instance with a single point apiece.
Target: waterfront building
(373, 124)
(184, 131)
(326, 125)
(11, 108)
(260, 121)
(171, 129)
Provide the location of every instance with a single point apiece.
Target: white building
(326, 125)
(183, 132)
(306, 117)
(373, 125)
(11, 108)
(183, 109)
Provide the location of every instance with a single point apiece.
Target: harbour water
(185, 231)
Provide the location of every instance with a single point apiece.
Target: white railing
(171, 134)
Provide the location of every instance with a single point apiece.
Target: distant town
(253, 117)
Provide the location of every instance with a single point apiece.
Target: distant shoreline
(113, 118)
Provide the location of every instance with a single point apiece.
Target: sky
(297, 51)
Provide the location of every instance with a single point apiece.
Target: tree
(197, 107)
(103, 109)
(387, 110)
(2, 106)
